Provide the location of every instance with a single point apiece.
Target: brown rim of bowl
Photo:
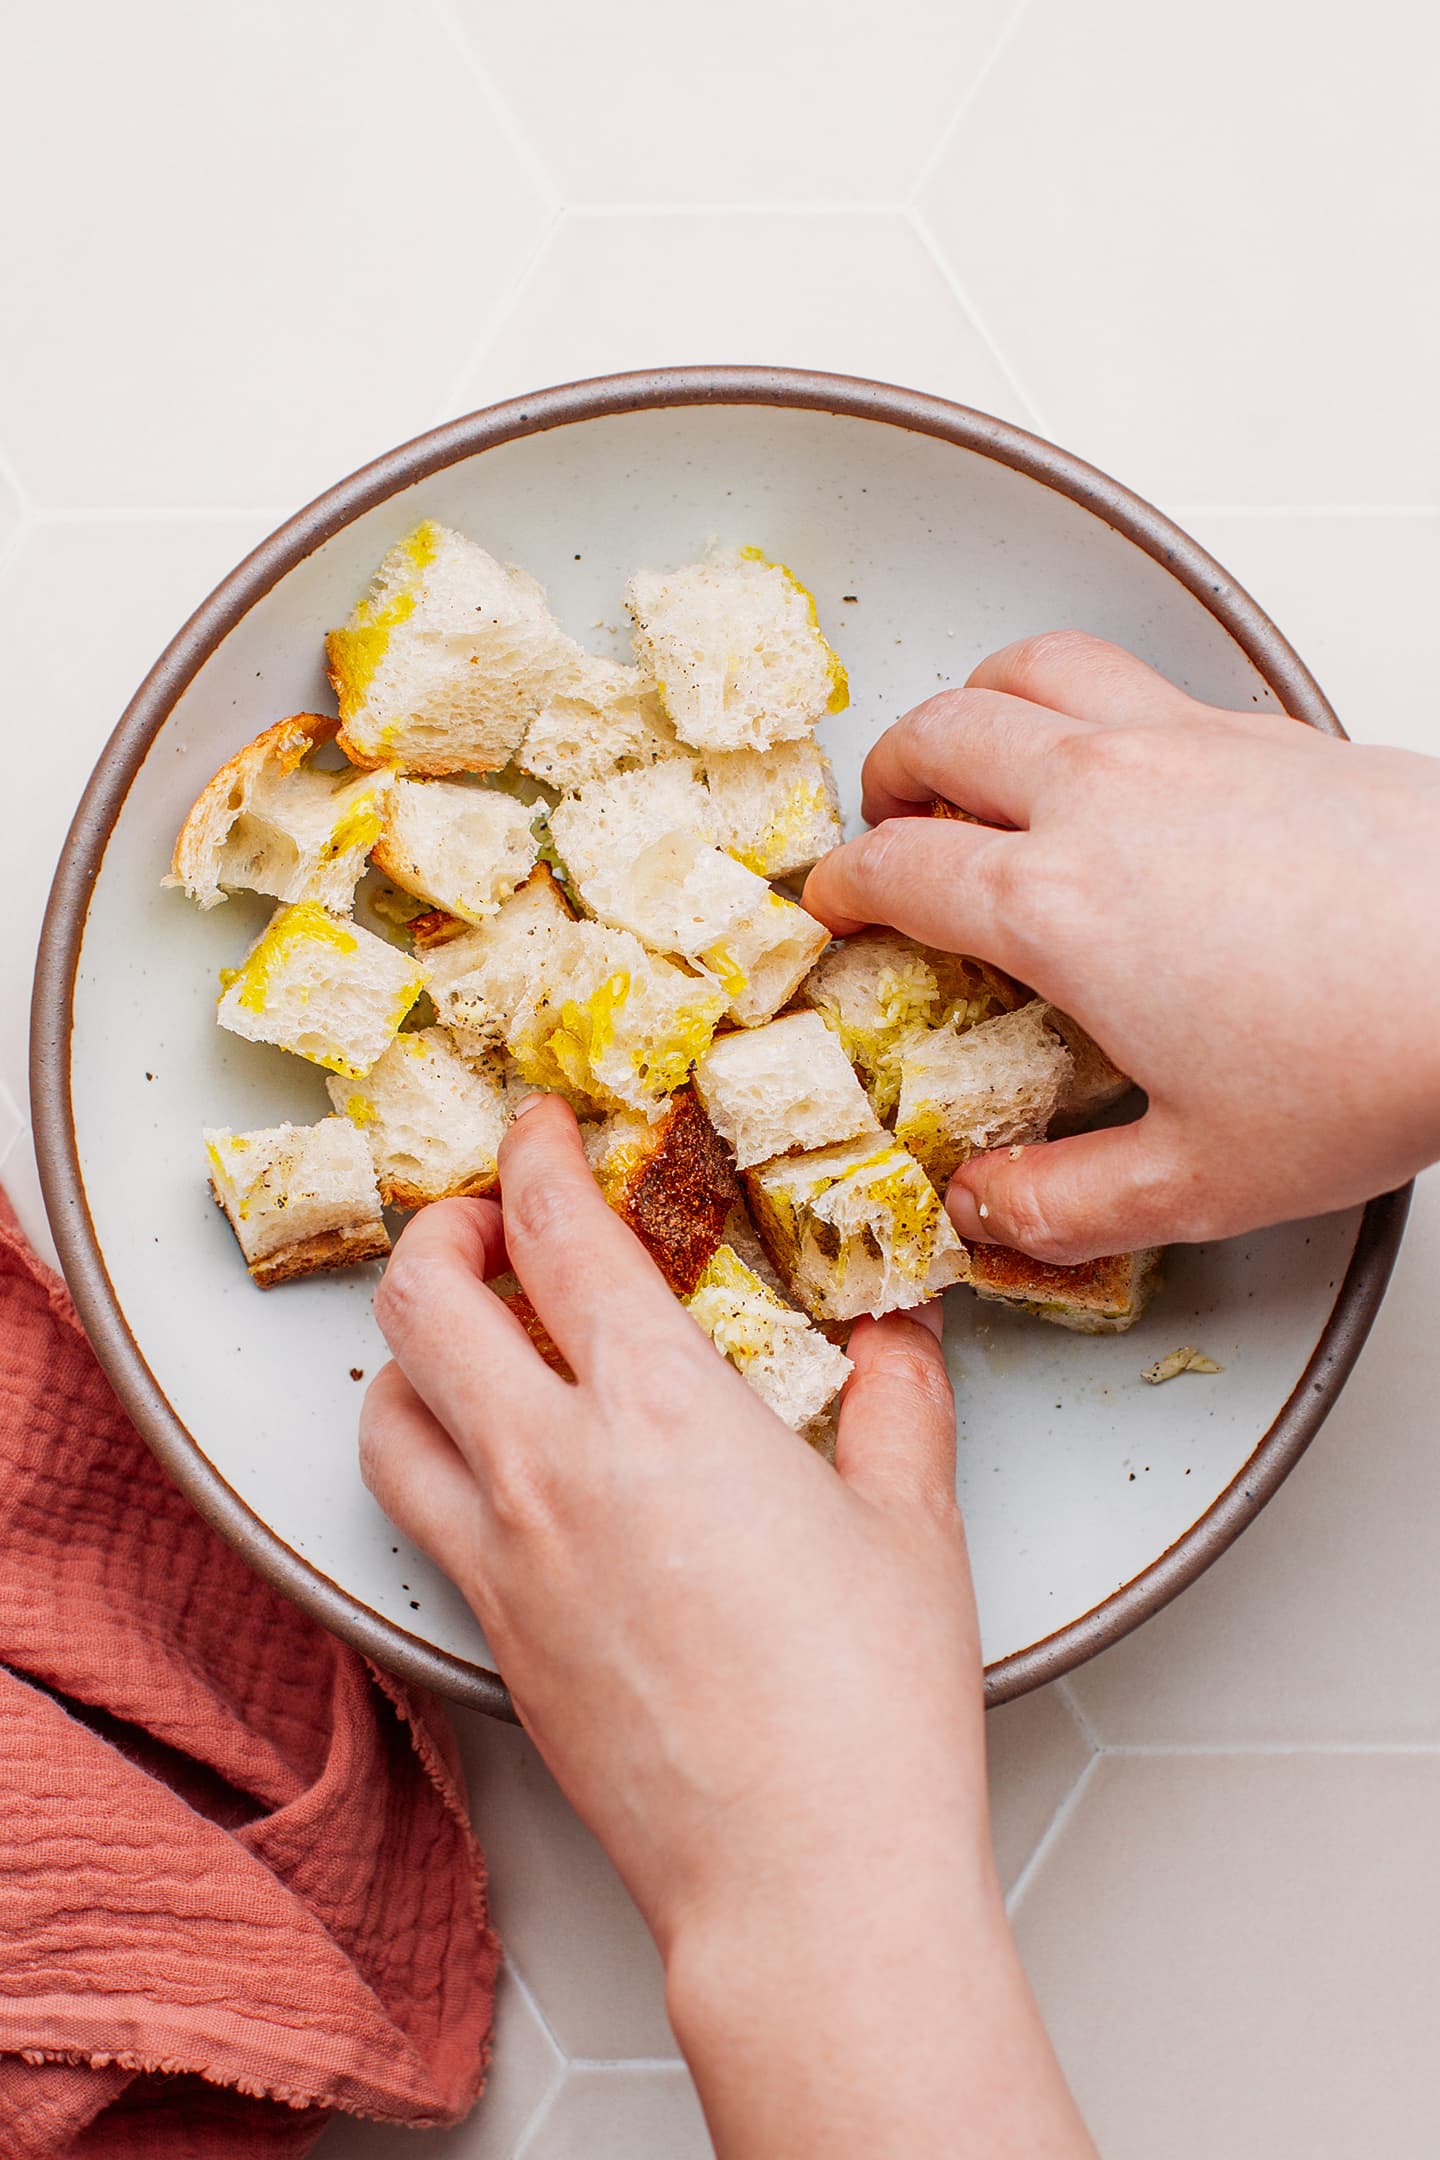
(392, 1646)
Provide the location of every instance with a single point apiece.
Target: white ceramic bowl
(1090, 1497)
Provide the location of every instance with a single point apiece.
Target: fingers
(466, 1357)
(896, 1437)
(1066, 1201)
(417, 1474)
(589, 1278)
(1084, 677)
(935, 879)
(979, 749)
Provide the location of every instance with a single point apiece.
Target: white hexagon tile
(854, 291)
(649, 104)
(1198, 235)
(278, 247)
(1194, 245)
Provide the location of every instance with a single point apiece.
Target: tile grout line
(786, 206)
(920, 227)
(1191, 1750)
(1419, 512)
(1050, 1836)
(627, 2062)
(530, 1998)
(456, 397)
(1072, 1703)
(518, 136)
(948, 132)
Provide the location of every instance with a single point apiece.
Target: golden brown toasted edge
(326, 1250)
(1096, 1082)
(484, 1185)
(435, 928)
(940, 808)
(285, 745)
(1102, 1296)
(507, 1288)
(677, 1192)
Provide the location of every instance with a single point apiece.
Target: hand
(757, 1680)
(1243, 912)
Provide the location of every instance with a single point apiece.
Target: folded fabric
(238, 1885)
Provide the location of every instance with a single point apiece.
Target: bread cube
(792, 1367)
(611, 823)
(269, 824)
(777, 810)
(608, 720)
(671, 1181)
(1096, 1082)
(876, 988)
(735, 648)
(854, 1229)
(432, 1123)
(464, 849)
(507, 1288)
(639, 853)
(299, 1198)
(781, 1088)
(609, 1025)
(322, 987)
(990, 1086)
(1099, 1297)
(478, 977)
(447, 660)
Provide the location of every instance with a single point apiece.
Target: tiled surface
(1240, 1965)
(742, 288)
(261, 243)
(1198, 234)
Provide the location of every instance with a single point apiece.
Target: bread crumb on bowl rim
(1357, 1298)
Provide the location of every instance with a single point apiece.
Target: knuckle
(401, 1296)
(537, 1210)
(1027, 1223)
(519, 1496)
(1037, 660)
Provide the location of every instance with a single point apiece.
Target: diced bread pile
(582, 860)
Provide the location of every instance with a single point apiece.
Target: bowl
(930, 534)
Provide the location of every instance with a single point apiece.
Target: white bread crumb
(782, 1088)
(321, 987)
(433, 1123)
(464, 849)
(735, 649)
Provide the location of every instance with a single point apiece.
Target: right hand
(1243, 912)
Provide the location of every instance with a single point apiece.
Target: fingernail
(527, 1102)
(970, 1216)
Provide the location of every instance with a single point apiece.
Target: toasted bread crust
(316, 1255)
(677, 1195)
(535, 1328)
(484, 1185)
(940, 808)
(436, 766)
(285, 744)
(435, 928)
(1097, 1297)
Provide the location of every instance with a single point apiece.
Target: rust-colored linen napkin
(238, 1886)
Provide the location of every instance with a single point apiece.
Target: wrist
(802, 2004)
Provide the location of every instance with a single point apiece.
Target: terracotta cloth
(238, 1887)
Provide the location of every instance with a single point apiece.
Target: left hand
(758, 1681)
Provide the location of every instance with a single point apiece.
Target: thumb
(1065, 1201)
(896, 1437)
